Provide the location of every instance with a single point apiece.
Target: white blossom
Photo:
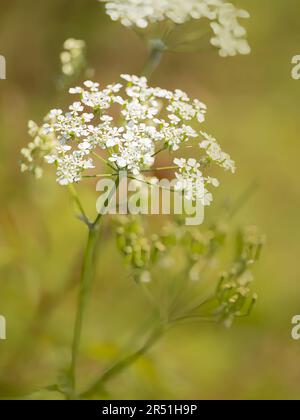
(191, 180)
(215, 153)
(43, 143)
(228, 35)
(130, 122)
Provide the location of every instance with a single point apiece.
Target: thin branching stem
(85, 283)
(123, 364)
(77, 201)
(104, 160)
(152, 63)
(243, 199)
(163, 168)
(189, 318)
(110, 196)
(154, 59)
(162, 149)
(99, 176)
(152, 185)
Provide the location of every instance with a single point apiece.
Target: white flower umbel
(228, 34)
(131, 123)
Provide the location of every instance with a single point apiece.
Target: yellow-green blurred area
(253, 110)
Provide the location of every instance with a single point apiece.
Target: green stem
(160, 150)
(152, 185)
(111, 194)
(104, 161)
(162, 168)
(123, 364)
(85, 282)
(77, 201)
(156, 53)
(240, 202)
(154, 59)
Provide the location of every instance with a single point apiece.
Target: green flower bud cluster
(190, 258)
(233, 292)
(140, 252)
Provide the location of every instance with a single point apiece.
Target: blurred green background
(254, 112)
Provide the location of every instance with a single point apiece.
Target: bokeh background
(254, 112)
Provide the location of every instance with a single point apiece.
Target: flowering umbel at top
(132, 122)
(228, 35)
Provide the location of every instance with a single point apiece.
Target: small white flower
(54, 113)
(213, 181)
(75, 91)
(72, 58)
(91, 85)
(47, 129)
(76, 107)
(50, 159)
(85, 145)
(87, 117)
(228, 35)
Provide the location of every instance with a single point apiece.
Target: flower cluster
(149, 255)
(192, 182)
(131, 122)
(72, 58)
(216, 154)
(33, 155)
(233, 292)
(141, 252)
(228, 35)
